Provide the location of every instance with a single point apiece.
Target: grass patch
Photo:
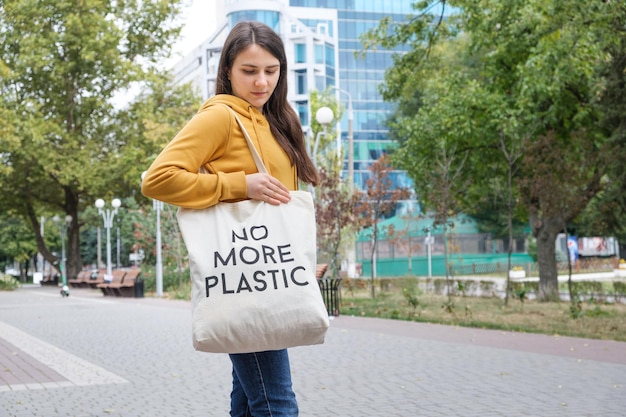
(404, 299)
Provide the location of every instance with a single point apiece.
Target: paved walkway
(87, 355)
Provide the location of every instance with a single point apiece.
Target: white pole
(430, 264)
(350, 138)
(99, 244)
(40, 259)
(350, 144)
(118, 262)
(109, 276)
(63, 265)
(107, 216)
(158, 205)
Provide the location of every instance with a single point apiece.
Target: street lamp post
(158, 207)
(352, 250)
(107, 216)
(350, 138)
(324, 116)
(63, 234)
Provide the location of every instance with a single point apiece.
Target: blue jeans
(262, 385)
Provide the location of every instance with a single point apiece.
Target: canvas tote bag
(253, 278)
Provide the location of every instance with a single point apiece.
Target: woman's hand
(266, 188)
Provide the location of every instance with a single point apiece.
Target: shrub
(8, 283)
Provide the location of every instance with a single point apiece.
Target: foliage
(65, 68)
(378, 201)
(619, 290)
(8, 283)
(335, 216)
(172, 285)
(173, 250)
(403, 237)
(334, 201)
(496, 78)
(16, 241)
(410, 295)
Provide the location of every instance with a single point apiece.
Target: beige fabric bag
(253, 273)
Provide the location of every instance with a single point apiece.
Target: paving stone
(94, 356)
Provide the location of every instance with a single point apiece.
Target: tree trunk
(72, 247)
(73, 262)
(36, 227)
(509, 214)
(546, 258)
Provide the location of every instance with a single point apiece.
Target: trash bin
(331, 295)
(138, 289)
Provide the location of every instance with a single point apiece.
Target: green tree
(334, 201)
(16, 243)
(533, 72)
(378, 201)
(64, 65)
(335, 216)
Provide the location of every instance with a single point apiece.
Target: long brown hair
(283, 120)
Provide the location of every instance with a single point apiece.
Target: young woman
(252, 81)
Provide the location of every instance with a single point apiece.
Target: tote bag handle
(255, 154)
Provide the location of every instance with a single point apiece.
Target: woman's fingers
(267, 188)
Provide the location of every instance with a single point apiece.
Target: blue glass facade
(367, 6)
(323, 41)
(270, 18)
(361, 77)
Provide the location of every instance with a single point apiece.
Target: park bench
(82, 279)
(320, 270)
(108, 288)
(97, 278)
(126, 287)
(50, 279)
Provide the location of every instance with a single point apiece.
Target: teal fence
(461, 265)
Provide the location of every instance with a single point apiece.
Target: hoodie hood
(240, 106)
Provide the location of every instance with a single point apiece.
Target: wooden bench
(126, 288)
(50, 279)
(320, 270)
(97, 278)
(81, 280)
(108, 288)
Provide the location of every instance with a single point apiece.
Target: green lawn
(598, 317)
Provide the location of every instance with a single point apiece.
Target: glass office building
(322, 42)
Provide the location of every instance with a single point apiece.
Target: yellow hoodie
(213, 139)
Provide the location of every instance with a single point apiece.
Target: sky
(198, 22)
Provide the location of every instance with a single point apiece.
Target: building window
(302, 107)
(330, 55)
(270, 18)
(301, 87)
(300, 53)
(320, 83)
(319, 54)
